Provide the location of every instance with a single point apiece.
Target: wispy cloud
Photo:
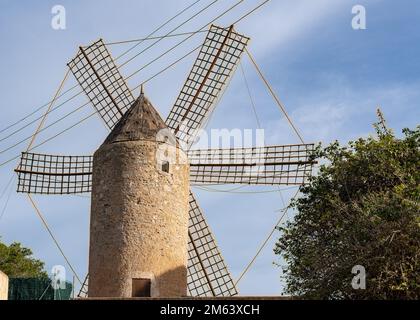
(343, 111)
(287, 22)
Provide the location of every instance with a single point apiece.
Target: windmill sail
(100, 79)
(53, 174)
(207, 272)
(271, 165)
(83, 292)
(211, 72)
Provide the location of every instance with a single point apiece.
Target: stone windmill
(148, 235)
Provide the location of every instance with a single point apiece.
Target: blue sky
(330, 77)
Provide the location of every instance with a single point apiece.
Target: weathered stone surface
(140, 122)
(139, 217)
(4, 286)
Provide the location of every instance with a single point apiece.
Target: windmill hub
(139, 214)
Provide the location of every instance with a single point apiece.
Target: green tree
(17, 262)
(362, 208)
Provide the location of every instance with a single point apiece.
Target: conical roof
(140, 122)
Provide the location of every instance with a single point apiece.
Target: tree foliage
(17, 262)
(362, 208)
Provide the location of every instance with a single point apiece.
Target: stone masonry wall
(139, 220)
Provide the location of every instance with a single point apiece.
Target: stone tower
(139, 210)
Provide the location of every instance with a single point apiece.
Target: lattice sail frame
(271, 165)
(100, 79)
(207, 271)
(54, 174)
(216, 62)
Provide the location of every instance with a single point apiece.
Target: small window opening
(141, 288)
(165, 166)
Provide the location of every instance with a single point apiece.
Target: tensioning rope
(159, 28)
(277, 100)
(185, 39)
(50, 138)
(254, 109)
(41, 123)
(273, 94)
(174, 29)
(44, 222)
(260, 249)
(152, 38)
(9, 184)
